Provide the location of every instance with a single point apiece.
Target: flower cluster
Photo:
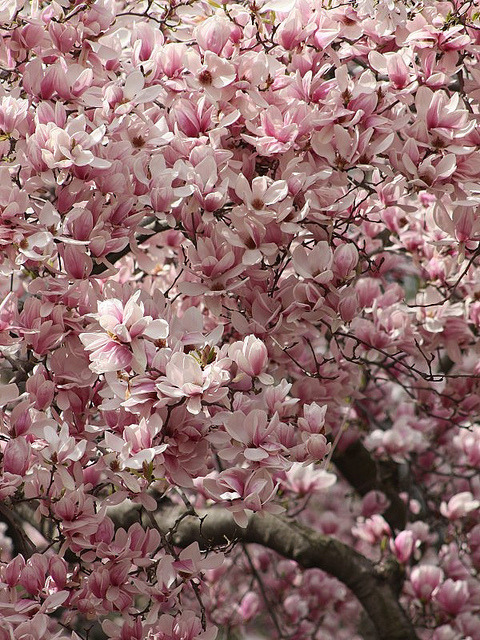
(239, 250)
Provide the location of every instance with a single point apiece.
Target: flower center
(205, 78)
(138, 142)
(258, 204)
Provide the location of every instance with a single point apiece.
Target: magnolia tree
(240, 304)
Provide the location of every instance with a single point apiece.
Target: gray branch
(373, 585)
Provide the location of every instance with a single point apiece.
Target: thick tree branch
(366, 474)
(371, 584)
(15, 531)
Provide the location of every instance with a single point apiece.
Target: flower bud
(213, 34)
(16, 456)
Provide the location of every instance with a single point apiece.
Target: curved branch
(371, 584)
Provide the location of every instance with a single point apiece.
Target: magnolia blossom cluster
(239, 241)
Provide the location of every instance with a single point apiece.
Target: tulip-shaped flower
(121, 344)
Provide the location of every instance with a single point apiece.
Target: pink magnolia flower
(452, 596)
(125, 326)
(13, 571)
(78, 516)
(395, 65)
(315, 264)
(185, 626)
(213, 76)
(60, 447)
(213, 33)
(305, 480)
(243, 492)
(159, 180)
(191, 562)
(193, 117)
(402, 546)
(216, 262)
(61, 148)
(459, 506)
(468, 442)
(430, 36)
(135, 465)
(425, 580)
(33, 574)
(443, 116)
(253, 435)
(16, 456)
(186, 376)
(261, 193)
(68, 84)
(249, 606)
(374, 502)
(36, 628)
(372, 530)
(431, 172)
(313, 448)
(8, 393)
(251, 357)
(345, 259)
(8, 10)
(277, 132)
(295, 29)
(13, 115)
(40, 388)
(110, 583)
(313, 420)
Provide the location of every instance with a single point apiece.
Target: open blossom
(110, 584)
(213, 76)
(131, 459)
(239, 242)
(191, 562)
(187, 377)
(254, 436)
(306, 480)
(277, 132)
(121, 343)
(459, 506)
(185, 626)
(373, 529)
(452, 596)
(62, 148)
(261, 194)
(35, 628)
(424, 580)
(243, 492)
(315, 264)
(468, 442)
(78, 515)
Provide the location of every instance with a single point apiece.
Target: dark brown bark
(373, 585)
(366, 474)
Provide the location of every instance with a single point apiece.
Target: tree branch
(366, 474)
(15, 531)
(373, 585)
